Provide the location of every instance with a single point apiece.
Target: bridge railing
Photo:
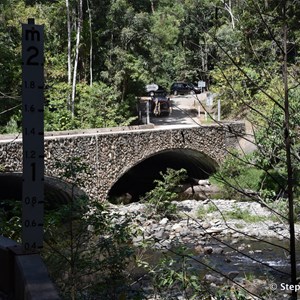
(23, 277)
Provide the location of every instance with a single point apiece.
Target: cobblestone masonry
(110, 154)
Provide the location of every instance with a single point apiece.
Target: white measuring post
(147, 112)
(33, 135)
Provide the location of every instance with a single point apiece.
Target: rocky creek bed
(213, 232)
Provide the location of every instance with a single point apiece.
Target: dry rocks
(191, 229)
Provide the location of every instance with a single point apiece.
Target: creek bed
(209, 240)
(233, 264)
(258, 256)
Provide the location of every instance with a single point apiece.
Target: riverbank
(236, 238)
(224, 218)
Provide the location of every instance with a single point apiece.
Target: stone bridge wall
(110, 154)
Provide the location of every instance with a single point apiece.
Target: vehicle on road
(160, 103)
(158, 100)
(183, 88)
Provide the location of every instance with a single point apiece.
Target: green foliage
(254, 173)
(271, 136)
(236, 89)
(235, 175)
(174, 274)
(57, 116)
(86, 245)
(203, 210)
(228, 292)
(137, 42)
(133, 44)
(98, 107)
(86, 249)
(235, 213)
(245, 215)
(12, 126)
(159, 200)
(10, 219)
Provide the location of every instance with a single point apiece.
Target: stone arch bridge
(119, 159)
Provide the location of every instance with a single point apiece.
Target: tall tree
(91, 40)
(76, 58)
(69, 50)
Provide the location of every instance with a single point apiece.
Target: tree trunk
(228, 7)
(69, 53)
(91, 43)
(290, 172)
(152, 6)
(79, 25)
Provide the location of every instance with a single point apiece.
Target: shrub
(87, 250)
(159, 200)
(87, 247)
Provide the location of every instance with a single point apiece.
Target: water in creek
(253, 258)
(248, 259)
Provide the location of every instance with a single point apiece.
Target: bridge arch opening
(139, 179)
(56, 191)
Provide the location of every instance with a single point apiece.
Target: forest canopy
(100, 54)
